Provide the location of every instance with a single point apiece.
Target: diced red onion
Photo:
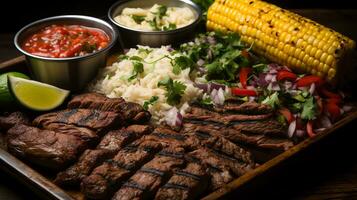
(287, 68)
(211, 40)
(173, 117)
(319, 130)
(291, 129)
(300, 133)
(325, 122)
(217, 96)
(251, 99)
(347, 108)
(312, 88)
(217, 86)
(288, 85)
(200, 62)
(268, 77)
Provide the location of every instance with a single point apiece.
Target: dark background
(14, 14)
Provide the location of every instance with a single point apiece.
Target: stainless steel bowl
(132, 37)
(71, 73)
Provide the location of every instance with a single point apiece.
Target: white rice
(113, 81)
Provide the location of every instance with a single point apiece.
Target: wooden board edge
(233, 185)
(30, 177)
(11, 62)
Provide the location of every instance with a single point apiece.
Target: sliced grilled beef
(147, 180)
(107, 148)
(217, 142)
(220, 173)
(115, 140)
(188, 183)
(201, 114)
(264, 141)
(88, 160)
(93, 119)
(250, 108)
(6, 122)
(46, 148)
(132, 112)
(87, 135)
(107, 178)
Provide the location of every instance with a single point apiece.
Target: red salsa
(63, 41)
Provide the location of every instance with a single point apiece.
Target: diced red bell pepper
(287, 114)
(336, 101)
(243, 75)
(286, 75)
(308, 80)
(309, 129)
(329, 94)
(333, 110)
(243, 92)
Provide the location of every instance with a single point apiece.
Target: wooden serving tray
(42, 184)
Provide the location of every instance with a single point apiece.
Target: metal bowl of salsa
(66, 51)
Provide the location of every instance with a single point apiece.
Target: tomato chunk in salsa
(63, 41)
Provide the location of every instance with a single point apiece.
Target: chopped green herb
(207, 101)
(151, 101)
(138, 19)
(123, 57)
(161, 11)
(137, 58)
(181, 63)
(89, 48)
(138, 69)
(153, 24)
(174, 89)
(308, 109)
(272, 100)
(171, 26)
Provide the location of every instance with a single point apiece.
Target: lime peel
(36, 95)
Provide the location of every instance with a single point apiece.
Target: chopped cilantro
(174, 89)
(161, 11)
(180, 63)
(207, 101)
(272, 100)
(138, 19)
(171, 26)
(138, 69)
(153, 24)
(308, 109)
(151, 101)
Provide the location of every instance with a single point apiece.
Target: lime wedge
(6, 99)
(36, 95)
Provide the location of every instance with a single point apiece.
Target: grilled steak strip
(107, 178)
(131, 112)
(145, 182)
(46, 148)
(217, 142)
(197, 113)
(241, 137)
(219, 173)
(250, 108)
(212, 157)
(93, 119)
(6, 122)
(87, 135)
(107, 148)
(188, 183)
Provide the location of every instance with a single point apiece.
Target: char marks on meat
(51, 149)
(111, 143)
(187, 183)
(93, 119)
(107, 178)
(131, 112)
(147, 180)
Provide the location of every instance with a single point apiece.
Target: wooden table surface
(326, 171)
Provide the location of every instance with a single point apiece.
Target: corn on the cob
(282, 36)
